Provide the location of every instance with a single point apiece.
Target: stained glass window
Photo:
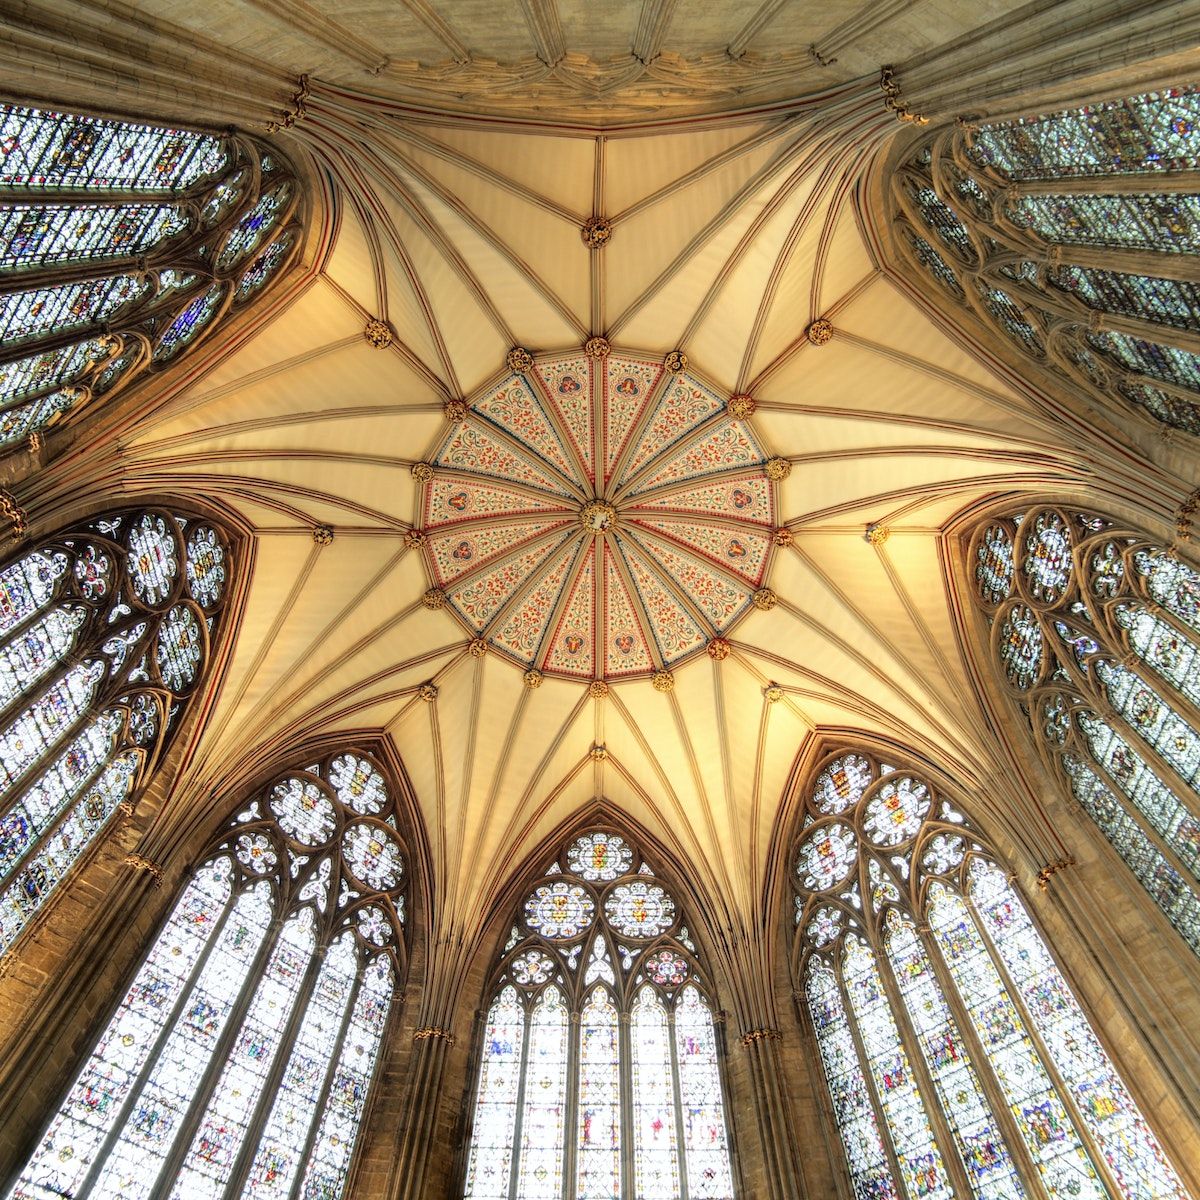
(600, 1074)
(957, 1058)
(1108, 687)
(1062, 273)
(105, 633)
(240, 1059)
(97, 218)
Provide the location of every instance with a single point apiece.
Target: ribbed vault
(729, 238)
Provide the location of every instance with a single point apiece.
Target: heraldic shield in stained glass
(600, 518)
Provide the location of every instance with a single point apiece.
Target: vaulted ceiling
(730, 235)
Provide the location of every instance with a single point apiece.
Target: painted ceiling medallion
(599, 517)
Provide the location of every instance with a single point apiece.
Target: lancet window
(600, 1072)
(1074, 235)
(240, 1059)
(121, 246)
(105, 634)
(958, 1060)
(1096, 633)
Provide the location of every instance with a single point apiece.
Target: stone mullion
(519, 1115)
(1142, 667)
(571, 1105)
(323, 1095)
(218, 1056)
(1063, 1090)
(88, 713)
(943, 1135)
(864, 1060)
(1124, 259)
(1061, 304)
(677, 1097)
(627, 1118)
(1132, 810)
(1167, 774)
(123, 321)
(165, 1031)
(1131, 184)
(244, 1158)
(985, 1072)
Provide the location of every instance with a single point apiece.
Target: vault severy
(600, 517)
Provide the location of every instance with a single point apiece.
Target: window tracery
(240, 1059)
(1095, 630)
(105, 634)
(957, 1058)
(1071, 233)
(121, 245)
(600, 1070)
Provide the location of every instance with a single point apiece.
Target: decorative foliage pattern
(1113, 618)
(233, 994)
(1006, 246)
(170, 229)
(683, 534)
(901, 1013)
(646, 1118)
(104, 635)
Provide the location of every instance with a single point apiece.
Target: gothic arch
(348, 788)
(908, 939)
(630, 949)
(1076, 272)
(124, 246)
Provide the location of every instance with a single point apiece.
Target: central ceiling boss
(600, 515)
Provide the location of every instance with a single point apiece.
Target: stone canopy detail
(599, 518)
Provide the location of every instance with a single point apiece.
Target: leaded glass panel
(1111, 698)
(599, 937)
(957, 1058)
(93, 669)
(1025, 258)
(96, 219)
(243, 1052)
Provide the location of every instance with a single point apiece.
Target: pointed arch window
(1095, 632)
(240, 1059)
(958, 1061)
(1074, 234)
(600, 1069)
(122, 245)
(105, 635)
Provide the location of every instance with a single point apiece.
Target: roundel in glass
(599, 856)
(358, 784)
(667, 968)
(842, 783)
(826, 856)
(895, 812)
(639, 909)
(1047, 560)
(153, 559)
(994, 564)
(205, 566)
(373, 855)
(1021, 646)
(559, 910)
(303, 811)
(599, 518)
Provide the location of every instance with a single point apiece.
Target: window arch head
(122, 245)
(106, 633)
(240, 1059)
(600, 1064)
(957, 1059)
(1073, 236)
(1094, 634)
